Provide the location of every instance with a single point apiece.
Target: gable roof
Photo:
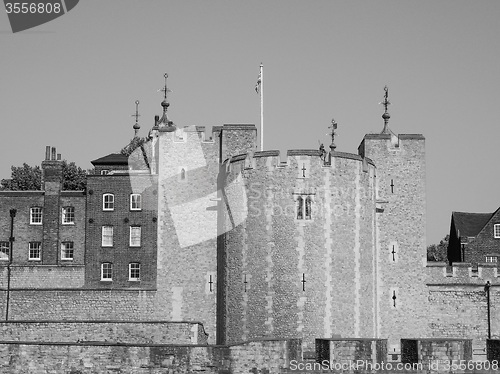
(470, 224)
(111, 159)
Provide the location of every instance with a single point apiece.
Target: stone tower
(400, 231)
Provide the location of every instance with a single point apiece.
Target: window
(300, 204)
(308, 207)
(35, 251)
(107, 271)
(67, 251)
(496, 230)
(104, 172)
(108, 201)
(4, 250)
(183, 174)
(491, 259)
(135, 236)
(107, 236)
(304, 207)
(135, 201)
(36, 216)
(134, 271)
(68, 215)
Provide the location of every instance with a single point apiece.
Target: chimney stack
(47, 153)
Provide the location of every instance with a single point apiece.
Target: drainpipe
(11, 240)
(487, 290)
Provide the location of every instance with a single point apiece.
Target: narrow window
(108, 201)
(68, 215)
(308, 207)
(36, 216)
(183, 174)
(135, 236)
(4, 251)
(67, 250)
(135, 201)
(35, 251)
(134, 271)
(300, 206)
(496, 230)
(107, 271)
(107, 236)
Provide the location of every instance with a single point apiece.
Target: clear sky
(72, 82)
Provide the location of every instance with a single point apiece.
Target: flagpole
(261, 107)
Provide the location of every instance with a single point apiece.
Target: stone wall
(140, 332)
(62, 358)
(438, 351)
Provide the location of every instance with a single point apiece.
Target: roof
(111, 159)
(470, 224)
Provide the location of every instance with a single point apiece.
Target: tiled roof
(470, 224)
(111, 159)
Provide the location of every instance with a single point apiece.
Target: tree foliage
(74, 177)
(438, 252)
(29, 178)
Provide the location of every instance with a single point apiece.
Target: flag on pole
(259, 81)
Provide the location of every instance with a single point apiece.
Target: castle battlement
(461, 273)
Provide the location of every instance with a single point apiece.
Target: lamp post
(487, 290)
(11, 240)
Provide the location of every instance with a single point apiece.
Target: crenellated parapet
(461, 273)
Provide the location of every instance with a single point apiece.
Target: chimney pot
(58, 157)
(53, 158)
(47, 153)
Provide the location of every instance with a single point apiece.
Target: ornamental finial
(136, 115)
(386, 114)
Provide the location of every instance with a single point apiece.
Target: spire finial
(164, 121)
(332, 133)
(386, 114)
(136, 115)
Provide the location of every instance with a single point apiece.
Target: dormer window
(108, 201)
(496, 230)
(104, 172)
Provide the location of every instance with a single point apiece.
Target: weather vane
(386, 114)
(136, 115)
(332, 133)
(165, 90)
(386, 101)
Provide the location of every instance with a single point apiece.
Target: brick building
(474, 238)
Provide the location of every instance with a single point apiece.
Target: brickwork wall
(121, 254)
(24, 233)
(104, 331)
(400, 233)
(73, 232)
(271, 254)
